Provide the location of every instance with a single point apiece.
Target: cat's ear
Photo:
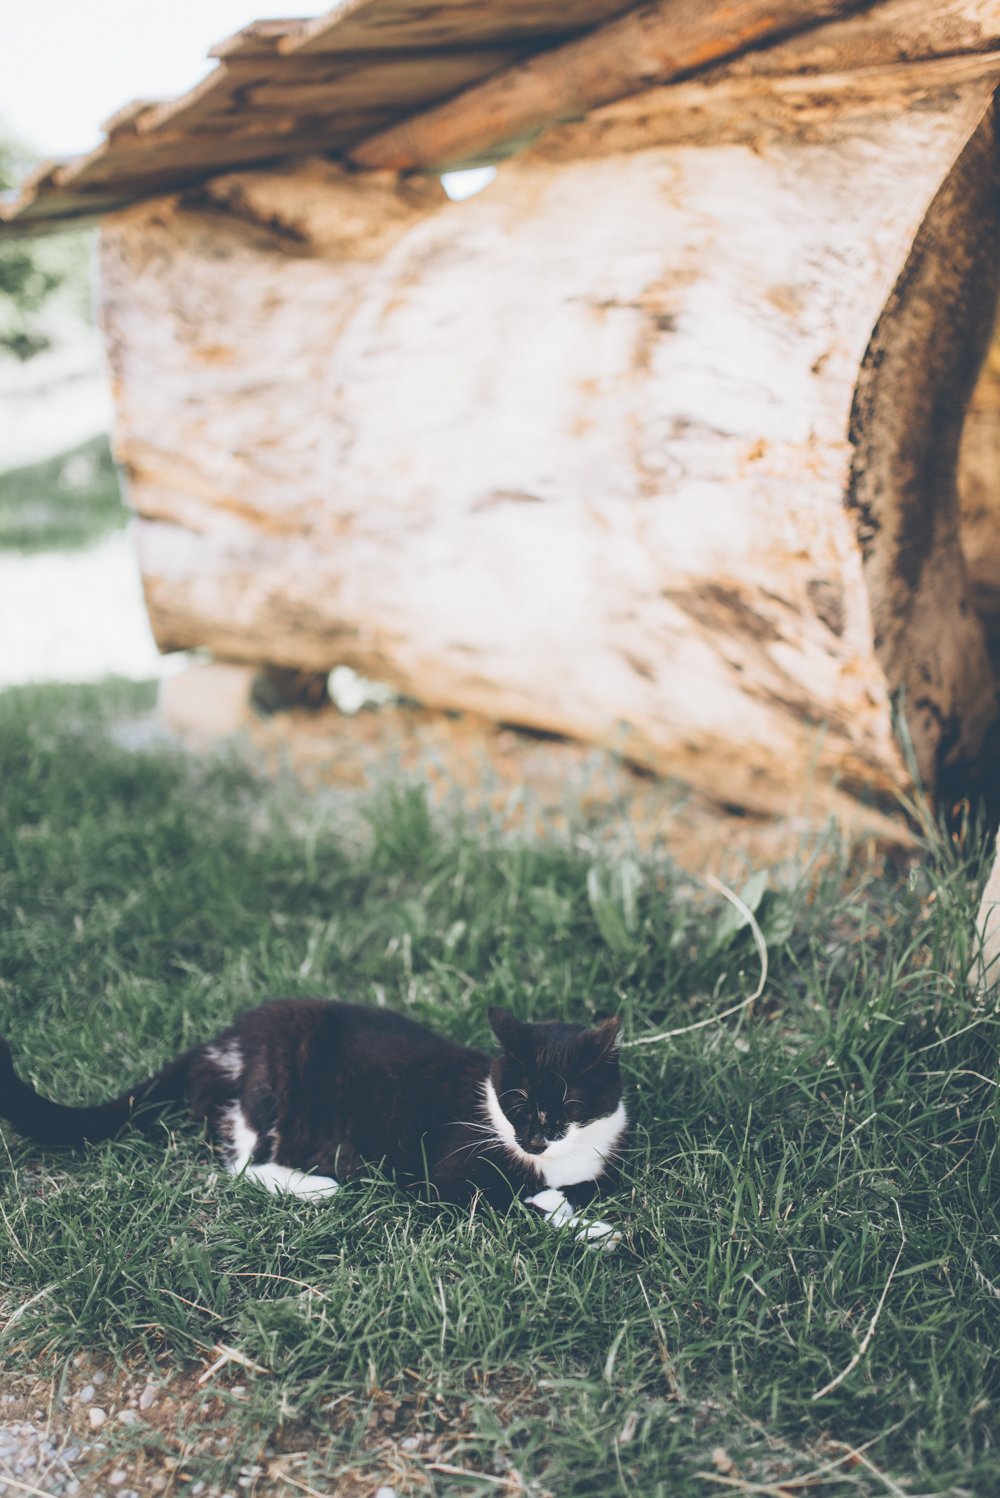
(513, 1035)
(603, 1041)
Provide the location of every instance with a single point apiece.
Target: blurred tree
(33, 271)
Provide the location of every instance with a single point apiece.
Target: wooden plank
(211, 97)
(129, 114)
(157, 162)
(893, 32)
(647, 46)
(729, 105)
(680, 38)
(116, 174)
(306, 82)
(401, 80)
(370, 25)
(325, 86)
(259, 39)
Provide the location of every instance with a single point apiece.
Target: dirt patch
(531, 784)
(147, 1430)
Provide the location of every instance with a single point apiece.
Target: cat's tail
(53, 1124)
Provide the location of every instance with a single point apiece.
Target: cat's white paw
(557, 1211)
(599, 1235)
(553, 1206)
(279, 1180)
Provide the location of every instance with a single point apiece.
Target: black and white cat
(304, 1094)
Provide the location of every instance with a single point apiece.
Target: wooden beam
(647, 46)
(377, 25)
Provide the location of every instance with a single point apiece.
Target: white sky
(66, 65)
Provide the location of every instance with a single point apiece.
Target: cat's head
(552, 1081)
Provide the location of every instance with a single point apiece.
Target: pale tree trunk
(578, 453)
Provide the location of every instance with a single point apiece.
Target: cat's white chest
(581, 1155)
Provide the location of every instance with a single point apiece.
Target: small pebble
(127, 1417)
(410, 1443)
(157, 1483)
(99, 1378)
(198, 1487)
(117, 1478)
(96, 1416)
(86, 1394)
(385, 1492)
(147, 1397)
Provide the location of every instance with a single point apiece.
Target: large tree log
(575, 453)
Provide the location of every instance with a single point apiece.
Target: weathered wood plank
(397, 59)
(653, 44)
(900, 49)
(259, 39)
(765, 109)
(374, 25)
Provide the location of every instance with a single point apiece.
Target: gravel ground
(30, 1455)
(44, 1451)
(121, 1433)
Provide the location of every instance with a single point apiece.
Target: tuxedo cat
(303, 1094)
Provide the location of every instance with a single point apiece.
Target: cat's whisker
(475, 1144)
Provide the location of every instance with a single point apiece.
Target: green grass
(789, 1166)
(66, 501)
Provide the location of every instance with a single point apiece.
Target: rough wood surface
(371, 25)
(650, 44)
(284, 88)
(875, 52)
(358, 81)
(578, 470)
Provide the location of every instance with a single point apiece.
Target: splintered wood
(285, 88)
(443, 82)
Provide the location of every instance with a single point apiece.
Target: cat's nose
(536, 1143)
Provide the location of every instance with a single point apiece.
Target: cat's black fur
(332, 1088)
